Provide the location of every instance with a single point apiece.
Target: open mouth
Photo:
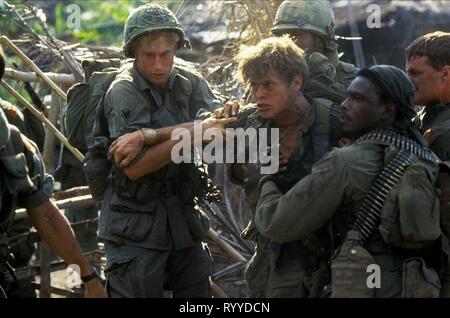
(263, 107)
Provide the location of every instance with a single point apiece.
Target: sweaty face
(361, 110)
(154, 59)
(272, 94)
(428, 81)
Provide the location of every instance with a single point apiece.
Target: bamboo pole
(76, 202)
(217, 291)
(47, 123)
(28, 62)
(71, 193)
(32, 77)
(225, 246)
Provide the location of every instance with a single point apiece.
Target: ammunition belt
(369, 215)
(399, 141)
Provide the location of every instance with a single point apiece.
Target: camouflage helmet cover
(148, 18)
(310, 15)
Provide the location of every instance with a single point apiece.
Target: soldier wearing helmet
(311, 23)
(273, 271)
(149, 221)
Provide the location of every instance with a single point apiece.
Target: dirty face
(429, 82)
(154, 59)
(273, 94)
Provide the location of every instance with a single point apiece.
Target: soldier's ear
(446, 73)
(297, 82)
(389, 111)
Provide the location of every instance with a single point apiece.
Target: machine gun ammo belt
(369, 215)
(401, 142)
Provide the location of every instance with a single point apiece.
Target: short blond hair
(278, 54)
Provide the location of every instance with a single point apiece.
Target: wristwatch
(91, 276)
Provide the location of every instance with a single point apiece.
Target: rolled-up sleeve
(42, 182)
(307, 206)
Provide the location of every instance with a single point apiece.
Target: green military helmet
(148, 18)
(310, 15)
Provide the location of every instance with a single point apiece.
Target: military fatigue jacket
(337, 185)
(321, 132)
(334, 191)
(23, 182)
(132, 103)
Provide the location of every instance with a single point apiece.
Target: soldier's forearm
(155, 158)
(55, 230)
(163, 134)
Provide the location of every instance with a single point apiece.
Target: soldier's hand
(95, 289)
(215, 126)
(230, 109)
(126, 148)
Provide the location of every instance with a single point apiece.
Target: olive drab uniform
(286, 270)
(437, 118)
(329, 79)
(23, 183)
(404, 239)
(152, 227)
(27, 123)
(32, 128)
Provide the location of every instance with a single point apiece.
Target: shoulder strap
(320, 132)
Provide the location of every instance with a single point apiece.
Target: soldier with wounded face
(276, 72)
